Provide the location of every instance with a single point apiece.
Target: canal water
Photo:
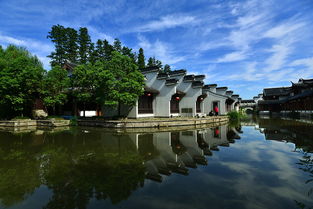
(260, 163)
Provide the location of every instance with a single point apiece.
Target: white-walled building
(177, 94)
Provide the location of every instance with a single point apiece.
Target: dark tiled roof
(148, 89)
(229, 92)
(199, 77)
(171, 81)
(150, 69)
(177, 72)
(212, 85)
(224, 88)
(281, 91)
(196, 84)
(162, 76)
(309, 81)
(189, 78)
(207, 87)
(247, 101)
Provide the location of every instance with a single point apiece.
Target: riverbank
(152, 122)
(28, 123)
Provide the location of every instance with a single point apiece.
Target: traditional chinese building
(296, 98)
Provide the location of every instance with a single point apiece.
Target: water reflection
(80, 167)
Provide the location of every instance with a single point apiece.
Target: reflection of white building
(165, 153)
(177, 94)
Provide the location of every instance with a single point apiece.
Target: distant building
(297, 97)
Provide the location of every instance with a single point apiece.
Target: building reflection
(177, 152)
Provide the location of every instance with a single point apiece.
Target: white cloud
(169, 21)
(279, 56)
(308, 62)
(160, 50)
(40, 49)
(232, 57)
(283, 29)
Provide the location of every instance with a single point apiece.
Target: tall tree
(100, 53)
(84, 42)
(55, 86)
(151, 61)
(154, 62)
(167, 68)
(141, 59)
(83, 81)
(58, 38)
(117, 45)
(128, 52)
(108, 49)
(71, 45)
(128, 81)
(20, 80)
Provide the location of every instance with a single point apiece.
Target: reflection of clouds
(263, 162)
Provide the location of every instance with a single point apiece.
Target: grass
(21, 118)
(55, 117)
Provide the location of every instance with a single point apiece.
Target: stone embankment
(152, 122)
(28, 123)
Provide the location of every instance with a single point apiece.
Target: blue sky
(245, 45)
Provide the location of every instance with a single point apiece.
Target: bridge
(248, 105)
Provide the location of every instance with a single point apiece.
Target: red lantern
(217, 132)
(177, 98)
(149, 95)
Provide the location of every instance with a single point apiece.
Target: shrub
(234, 115)
(21, 118)
(73, 121)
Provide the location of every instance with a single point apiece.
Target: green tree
(141, 59)
(55, 87)
(100, 53)
(83, 79)
(167, 68)
(71, 45)
(128, 82)
(108, 49)
(117, 45)
(128, 52)
(84, 42)
(20, 80)
(154, 62)
(58, 38)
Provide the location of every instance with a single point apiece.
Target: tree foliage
(154, 62)
(21, 75)
(141, 59)
(167, 68)
(55, 87)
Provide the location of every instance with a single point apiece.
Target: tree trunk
(75, 107)
(84, 109)
(119, 109)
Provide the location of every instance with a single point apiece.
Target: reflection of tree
(75, 167)
(306, 165)
(19, 171)
(76, 179)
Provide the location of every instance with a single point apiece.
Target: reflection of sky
(251, 173)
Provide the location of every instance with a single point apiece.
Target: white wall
(213, 97)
